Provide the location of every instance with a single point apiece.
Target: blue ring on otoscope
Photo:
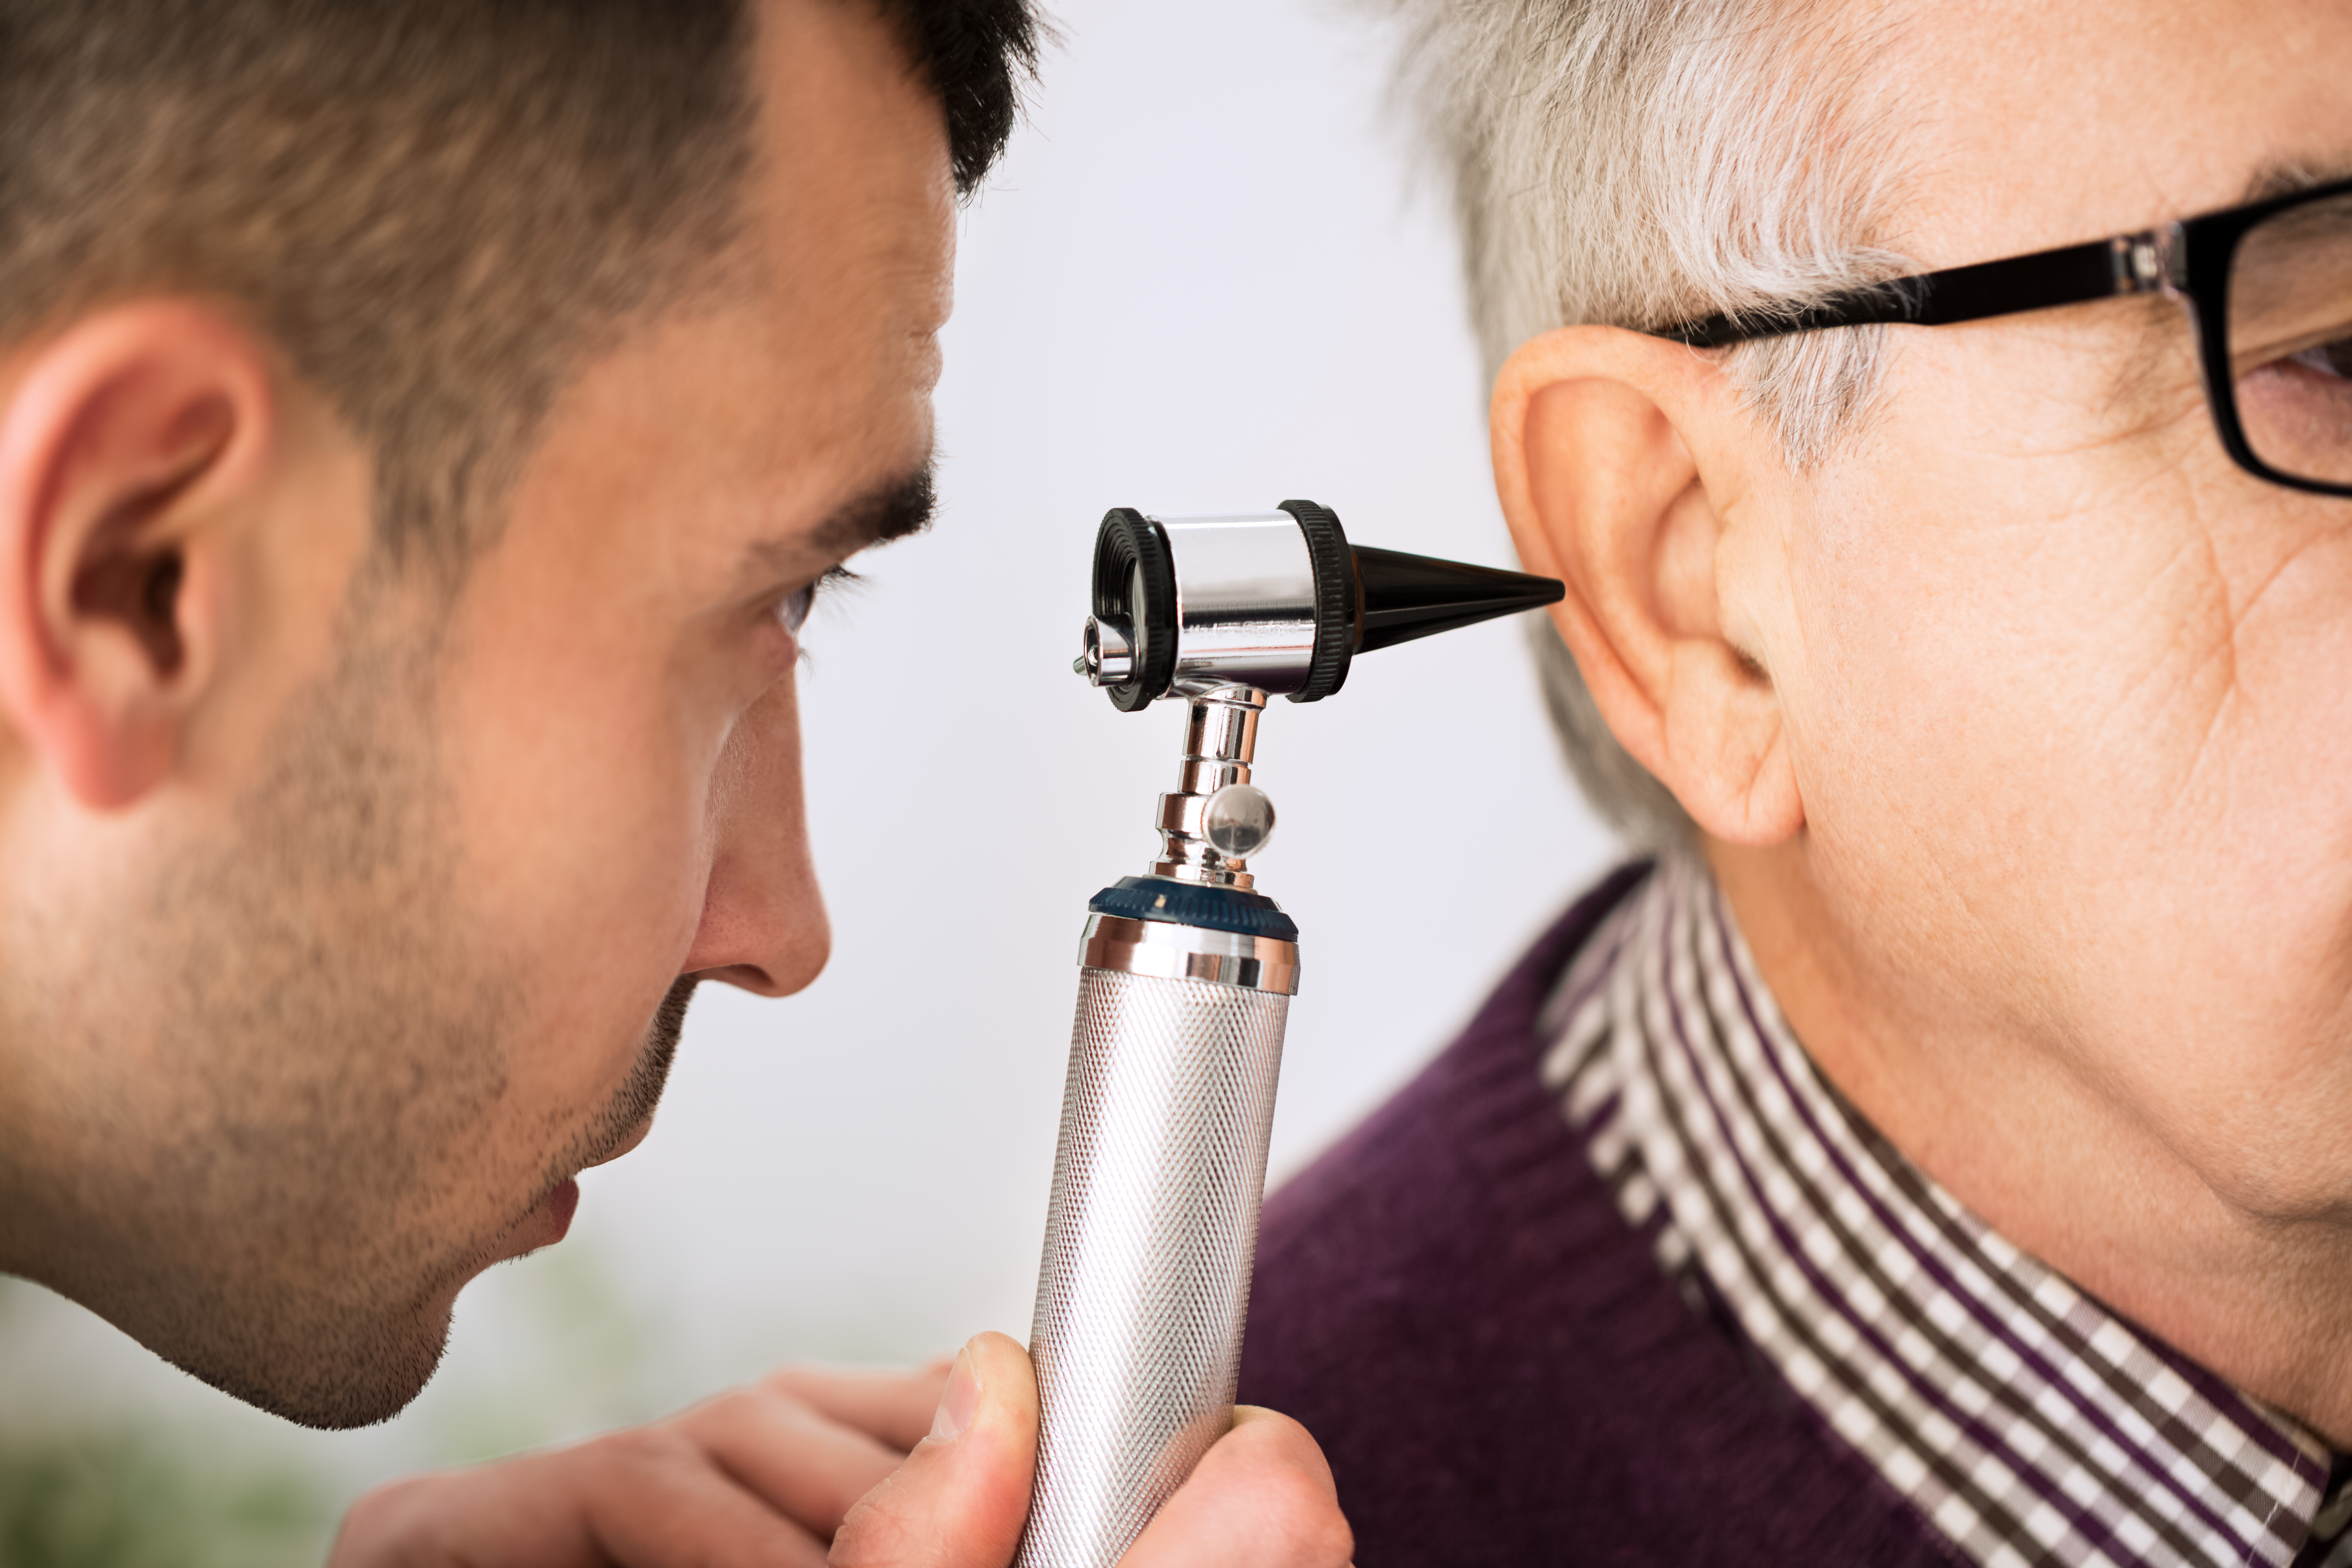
(1191, 904)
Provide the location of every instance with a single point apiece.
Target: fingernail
(960, 1400)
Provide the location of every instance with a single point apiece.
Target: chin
(317, 1366)
(337, 1368)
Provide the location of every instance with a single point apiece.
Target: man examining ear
(423, 427)
(1939, 1148)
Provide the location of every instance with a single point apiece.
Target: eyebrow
(2288, 179)
(899, 506)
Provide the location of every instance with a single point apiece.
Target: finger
(650, 1497)
(521, 1513)
(1261, 1497)
(960, 1500)
(894, 1406)
(674, 1508)
(798, 1459)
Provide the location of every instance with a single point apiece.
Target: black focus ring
(1130, 543)
(1171, 902)
(1335, 599)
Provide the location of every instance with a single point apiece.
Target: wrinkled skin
(2020, 731)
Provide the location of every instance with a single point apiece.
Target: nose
(763, 925)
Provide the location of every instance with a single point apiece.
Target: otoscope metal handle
(1152, 1227)
(1187, 976)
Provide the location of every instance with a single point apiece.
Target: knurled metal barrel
(1187, 978)
(1151, 1230)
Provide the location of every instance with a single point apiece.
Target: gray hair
(1640, 162)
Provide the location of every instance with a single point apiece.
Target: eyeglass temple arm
(2125, 264)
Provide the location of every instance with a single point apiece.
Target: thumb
(962, 1497)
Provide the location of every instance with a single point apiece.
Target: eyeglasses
(2269, 286)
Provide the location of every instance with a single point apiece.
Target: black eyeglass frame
(2189, 259)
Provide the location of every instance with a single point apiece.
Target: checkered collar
(2025, 1421)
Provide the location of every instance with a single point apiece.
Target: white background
(1200, 282)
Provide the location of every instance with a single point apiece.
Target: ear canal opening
(141, 594)
(161, 625)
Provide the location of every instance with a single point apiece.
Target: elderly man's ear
(1619, 459)
(139, 454)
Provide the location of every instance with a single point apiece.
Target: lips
(561, 1205)
(547, 1222)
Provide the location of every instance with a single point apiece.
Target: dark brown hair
(435, 208)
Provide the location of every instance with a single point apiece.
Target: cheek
(2006, 669)
(2087, 778)
(2253, 883)
(1974, 724)
(586, 849)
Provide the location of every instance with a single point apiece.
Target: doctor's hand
(926, 1471)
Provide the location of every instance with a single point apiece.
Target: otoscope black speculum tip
(1276, 602)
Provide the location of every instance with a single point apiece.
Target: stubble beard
(336, 1038)
(632, 1104)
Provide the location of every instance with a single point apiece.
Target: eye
(794, 611)
(791, 612)
(2332, 360)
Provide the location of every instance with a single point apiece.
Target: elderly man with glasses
(1939, 1147)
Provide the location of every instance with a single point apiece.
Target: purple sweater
(1496, 1366)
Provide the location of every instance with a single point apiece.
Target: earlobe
(1598, 436)
(125, 443)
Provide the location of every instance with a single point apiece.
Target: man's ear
(1617, 457)
(127, 446)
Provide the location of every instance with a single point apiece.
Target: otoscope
(1185, 986)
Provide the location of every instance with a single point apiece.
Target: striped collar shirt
(2025, 1421)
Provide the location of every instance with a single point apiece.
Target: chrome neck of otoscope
(1215, 819)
